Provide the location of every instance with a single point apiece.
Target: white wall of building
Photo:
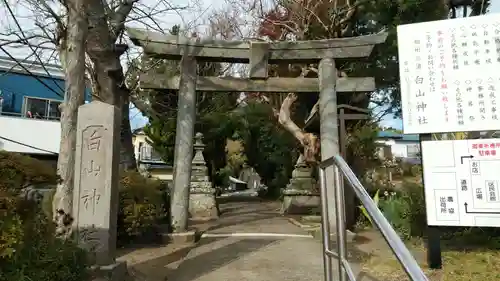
(42, 135)
(399, 149)
(137, 139)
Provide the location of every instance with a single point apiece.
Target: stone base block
(112, 272)
(203, 207)
(301, 204)
(311, 219)
(350, 236)
(187, 237)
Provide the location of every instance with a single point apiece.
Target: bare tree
(52, 29)
(277, 20)
(72, 50)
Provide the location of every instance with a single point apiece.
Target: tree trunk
(72, 53)
(127, 153)
(309, 141)
(109, 78)
(112, 90)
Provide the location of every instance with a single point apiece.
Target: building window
(42, 108)
(7, 104)
(413, 150)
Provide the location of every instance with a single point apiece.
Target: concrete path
(252, 217)
(250, 242)
(253, 242)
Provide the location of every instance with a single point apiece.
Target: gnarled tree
(52, 28)
(311, 20)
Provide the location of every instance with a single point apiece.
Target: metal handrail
(397, 246)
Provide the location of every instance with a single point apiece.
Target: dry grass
(473, 257)
(458, 265)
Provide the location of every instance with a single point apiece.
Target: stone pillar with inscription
(95, 197)
(202, 203)
(301, 195)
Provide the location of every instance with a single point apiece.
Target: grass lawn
(458, 265)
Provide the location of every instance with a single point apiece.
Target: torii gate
(258, 55)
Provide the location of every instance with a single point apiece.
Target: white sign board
(449, 75)
(461, 180)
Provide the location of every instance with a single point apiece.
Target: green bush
(471, 236)
(416, 170)
(143, 203)
(396, 210)
(224, 174)
(11, 227)
(377, 180)
(415, 198)
(269, 148)
(364, 212)
(405, 210)
(28, 247)
(18, 171)
(410, 170)
(35, 254)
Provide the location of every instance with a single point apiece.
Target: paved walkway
(260, 245)
(250, 242)
(252, 217)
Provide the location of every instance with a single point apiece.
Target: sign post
(433, 242)
(449, 84)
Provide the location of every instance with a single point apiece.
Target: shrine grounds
(464, 258)
(467, 253)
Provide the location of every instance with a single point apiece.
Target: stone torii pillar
(183, 153)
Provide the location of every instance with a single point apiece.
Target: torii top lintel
(174, 47)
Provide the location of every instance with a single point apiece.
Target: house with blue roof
(30, 95)
(405, 147)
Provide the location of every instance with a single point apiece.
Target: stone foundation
(300, 196)
(300, 202)
(112, 272)
(180, 237)
(202, 205)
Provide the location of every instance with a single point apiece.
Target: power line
(24, 42)
(29, 72)
(29, 45)
(7, 92)
(30, 146)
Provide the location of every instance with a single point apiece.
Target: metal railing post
(325, 226)
(341, 231)
(397, 246)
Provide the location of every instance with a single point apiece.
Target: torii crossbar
(258, 54)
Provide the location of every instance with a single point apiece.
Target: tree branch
(285, 119)
(120, 15)
(143, 106)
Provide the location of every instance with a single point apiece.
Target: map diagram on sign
(461, 179)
